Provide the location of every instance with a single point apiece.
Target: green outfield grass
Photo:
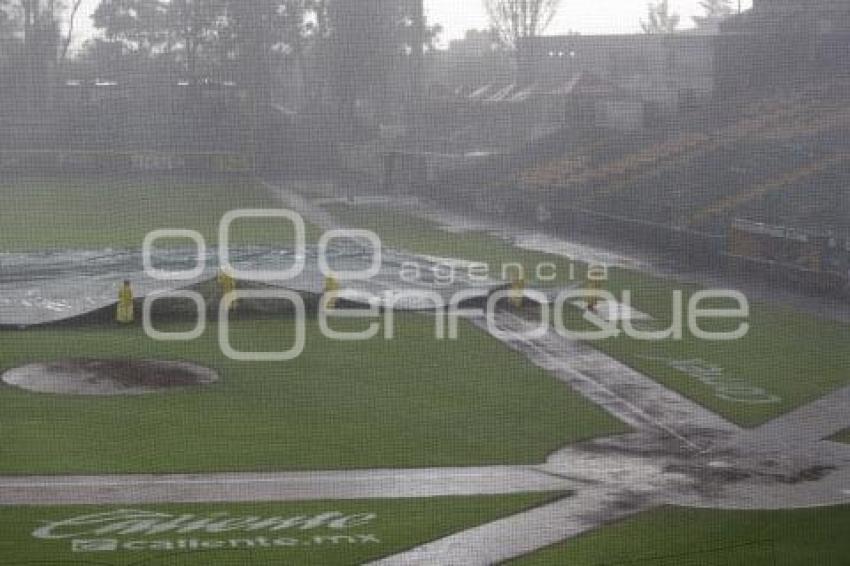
(397, 525)
(694, 537)
(787, 354)
(408, 402)
(42, 214)
(791, 357)
(420, 236)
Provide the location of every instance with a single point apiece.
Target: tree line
(349, 46)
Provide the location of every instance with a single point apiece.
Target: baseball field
(429, 444)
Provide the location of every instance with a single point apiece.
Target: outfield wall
(706, 251)
(698, 249)
(123, 161)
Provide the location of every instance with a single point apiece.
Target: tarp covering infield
(48, 287)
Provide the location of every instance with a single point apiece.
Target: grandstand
(778, 158)
(783, 145)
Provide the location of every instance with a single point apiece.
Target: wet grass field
(698, 537)
(412, 401)
(788, 358)
(117, 213)
(398, 524)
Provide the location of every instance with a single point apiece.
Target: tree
(370, 41)
(660, 19)
(35, 22)
(39, 30)
(36, 35)
(140, 26)
(40, 26)
(69, 34)
(513, 20)
(29, 19)
(203, 35)
(7, 22)
(362, 42)
(715, 12)
(256, 34)
(192, 31)
(182, 30)
(103, 58)
(716, 8)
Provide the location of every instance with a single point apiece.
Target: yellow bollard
(331, 290)
(124, 313)
(227, 285)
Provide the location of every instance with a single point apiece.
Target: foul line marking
(474, 476)
(630, 406)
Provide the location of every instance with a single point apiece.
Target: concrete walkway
(522, 533)
(293, 486)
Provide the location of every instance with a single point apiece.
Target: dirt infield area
(108, 377)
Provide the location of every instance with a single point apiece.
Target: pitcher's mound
(108, 377)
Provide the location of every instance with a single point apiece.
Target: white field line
(138, 483)
(335, 478)
(519, 534)
(628, 404)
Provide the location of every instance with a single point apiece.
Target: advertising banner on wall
(152, 161)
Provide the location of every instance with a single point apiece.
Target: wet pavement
(291, 486)
(523, 533)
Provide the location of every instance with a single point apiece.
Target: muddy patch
(108, 377)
